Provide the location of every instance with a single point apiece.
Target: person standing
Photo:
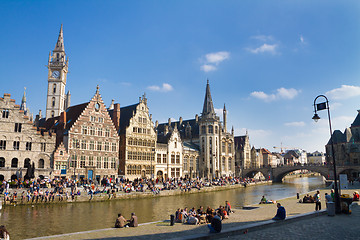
(317, 201)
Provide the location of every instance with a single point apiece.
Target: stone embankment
(101, 197)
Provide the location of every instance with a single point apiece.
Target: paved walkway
(162, 230)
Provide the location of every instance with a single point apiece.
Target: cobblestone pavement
(341, 226)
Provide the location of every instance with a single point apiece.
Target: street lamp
(319, 107)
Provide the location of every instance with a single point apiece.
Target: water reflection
(42, 220)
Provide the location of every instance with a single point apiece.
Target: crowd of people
(210, 216)
(46, 190)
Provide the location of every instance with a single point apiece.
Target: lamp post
(319, 107)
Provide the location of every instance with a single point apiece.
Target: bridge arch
(280, 172)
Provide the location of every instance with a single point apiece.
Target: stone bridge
(278, 173)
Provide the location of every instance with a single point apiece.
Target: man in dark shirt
(215, 226)
(133, 222)
(281, 213)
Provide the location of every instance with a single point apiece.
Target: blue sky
(267, 60)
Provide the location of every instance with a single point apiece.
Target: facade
(317, 158)
(57, 100)
(86, 134)
(21, 143)
(137, 139)
(242, 153)
(346, 147)
(209, 136)
(169, 155)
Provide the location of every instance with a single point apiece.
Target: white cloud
(218, 111)
(211, 60)
(263, 38)
(208, 68)
(295, 124)
(281, 93)
(344, 92)
(302, 39)
(271, 48)
(164, 88)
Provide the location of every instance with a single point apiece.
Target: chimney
(166, 129)
(180, 121)
(196, 118)
(169, 122)
(156, 123)
(116, 116)
(40, 115)
(63, 118)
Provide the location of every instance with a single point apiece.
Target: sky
(266, 60)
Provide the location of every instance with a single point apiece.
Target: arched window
(229, 164)
(203, 129)
(53, 102)
(27, 163)
(14, 163)
(186, 159)
(2, 162)
(52, 114)
(211, 129)
(54, 88)
(41, 163)
(223, 164)
(216, 129)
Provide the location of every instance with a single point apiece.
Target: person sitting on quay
(133, 222)
(215, 226)
(120, 221)
(356, 196)
(228, 207)
(265, 201)
(280, 214)
(307, 199)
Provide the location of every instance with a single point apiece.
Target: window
(223, 147)
(27, 163)
(91, 161)
(52, 114)
(113, 147)
(139, 130)
(28, 146)
(164, 158)
(61, 153)
(229, 148)
(175, 144)
(92, 131)
(18, 127)
(172, 158)
(223, 164)
(101, 120)
(172, 172)
(99, 144)
(216, 129)
(41, 163)
(14, 163)
(54, 88)
(76, 143)
(140, 120)
(43, 148)
(134, 129)
(211, 129)
(2, 144)
(229, 164)
(2, 162)
(144, 120)
(106, 162)
(177, 172)
(53, 102)
(91, 145)
(98, 162)
(16, 145)
(191, 163)
(185, 167)
(158, 157)
(178, 158)
(92, 118)
(73, 161)
(107, 146)
(84, 130)
(107, 133)
(203, 129)
(82, 161)
(5, 113)
(100, 132)
(83, 144)
(113, 163)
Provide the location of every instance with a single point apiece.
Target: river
(42, 220)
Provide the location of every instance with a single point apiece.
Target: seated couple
(122, 222)
(307, 199)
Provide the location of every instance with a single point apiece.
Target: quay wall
(84, 197)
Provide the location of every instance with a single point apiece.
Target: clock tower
(57, 100)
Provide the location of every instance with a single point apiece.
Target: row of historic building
(90, 140)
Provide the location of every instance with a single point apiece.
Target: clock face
(55, 74)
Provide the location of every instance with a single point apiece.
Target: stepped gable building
(169, 154)
(57, 100)
(87, 139)
(137, 139)
(21, 143)
(206, 134)
(346, 147)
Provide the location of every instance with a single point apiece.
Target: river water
(43, 220)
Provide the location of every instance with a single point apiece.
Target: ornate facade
(21, 143)
(137, 139)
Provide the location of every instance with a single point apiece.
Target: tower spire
(59, 47)
(208, 109)
(224, 118)
(23, 102)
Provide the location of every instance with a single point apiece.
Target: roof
(181, 128)
(126, 113)
(337, 137)
(356, 122)
(240, 141)
(191, 146)
(208, 109)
